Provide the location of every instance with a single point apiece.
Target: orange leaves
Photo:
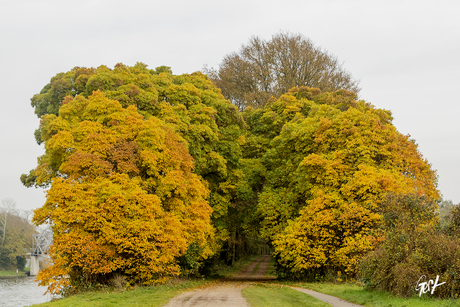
(124, 157)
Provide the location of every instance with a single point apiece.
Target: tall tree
(7, 209)
(191, 104)
(262, 69)
(330, 160)
(123, 198)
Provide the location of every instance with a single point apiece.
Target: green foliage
(189, 105)
(21, 262)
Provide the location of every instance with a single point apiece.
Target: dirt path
(255, 271)
(219, 295)
(227, 292)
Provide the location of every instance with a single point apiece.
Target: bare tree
(262, 69)
(8, 208)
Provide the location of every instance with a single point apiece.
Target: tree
(190, 104)
(8, 208)
(330, 160)
(123, 198)
(262, 69)
(16, 235)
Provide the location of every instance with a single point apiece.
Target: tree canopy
(151, 173)
(330, 160)
(123, 197)
(189, 105)
(262, 69)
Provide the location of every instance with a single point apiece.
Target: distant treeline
(16, 233)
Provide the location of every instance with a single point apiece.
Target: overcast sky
(406, 54)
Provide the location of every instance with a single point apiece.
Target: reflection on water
(21, 291)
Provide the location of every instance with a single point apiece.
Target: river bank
(12, 273)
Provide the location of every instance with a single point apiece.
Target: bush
(21, 262)
(414, 246)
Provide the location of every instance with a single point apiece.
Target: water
(21, 291)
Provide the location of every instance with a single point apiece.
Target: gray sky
(406, 54)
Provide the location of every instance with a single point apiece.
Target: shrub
(414, 246)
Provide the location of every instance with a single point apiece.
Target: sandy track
(226, 294)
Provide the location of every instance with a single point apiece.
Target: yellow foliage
(329, 170)
(124, 198)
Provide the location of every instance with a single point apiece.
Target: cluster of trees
(153, 174)
(15, 235)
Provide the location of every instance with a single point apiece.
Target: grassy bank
(5, 273)
(140, 296)
(271, 268)
(357, 294)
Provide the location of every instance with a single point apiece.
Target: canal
(21, 291)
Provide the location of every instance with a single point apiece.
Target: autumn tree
(330, 160)
(123, 198)
(262, 69)
(193, 106)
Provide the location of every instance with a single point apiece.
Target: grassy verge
(11, 273)
(140, 296)
(357, 294)
(271, 267)
(264, 295)
(255, 269)
(144, 296)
